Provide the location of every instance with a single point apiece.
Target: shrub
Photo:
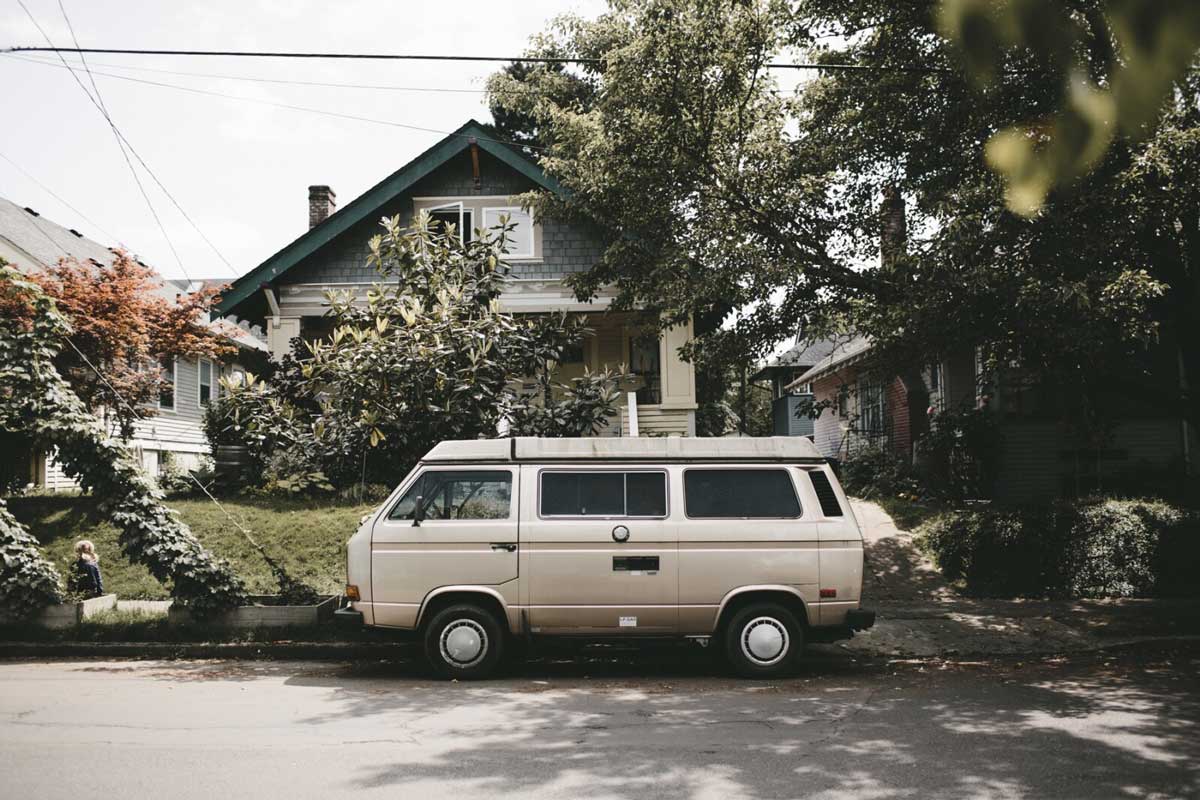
(1089, 548)
(28, 582)
(874, 470)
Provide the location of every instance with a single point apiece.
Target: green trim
(374, 198)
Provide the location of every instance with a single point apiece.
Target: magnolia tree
(427, 355)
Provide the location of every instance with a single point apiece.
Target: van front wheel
(464, 642)
(763, 640)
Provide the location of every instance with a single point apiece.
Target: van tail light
(824, 592)
(352, 592)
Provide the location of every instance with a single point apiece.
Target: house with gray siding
(471, 180)
(172, 431)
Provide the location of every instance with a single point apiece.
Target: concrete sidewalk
(921, 614)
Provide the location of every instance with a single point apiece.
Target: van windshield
(458, 495)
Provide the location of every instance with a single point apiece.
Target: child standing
(86, 578)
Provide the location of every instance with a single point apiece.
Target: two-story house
(172, 432)
(471, 180)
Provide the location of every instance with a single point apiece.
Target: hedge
(1090, 548)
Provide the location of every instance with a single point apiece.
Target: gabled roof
(368, 203)
(31, 242)
(802, 355)
(847, 351)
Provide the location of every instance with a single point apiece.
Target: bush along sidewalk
(1091, 548)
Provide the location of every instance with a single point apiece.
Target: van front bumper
(348, 616)
(859, 619)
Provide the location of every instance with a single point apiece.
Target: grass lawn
(307, 537)
(909, 515)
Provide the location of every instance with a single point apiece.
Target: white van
(748, 541)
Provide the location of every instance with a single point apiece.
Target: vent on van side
(824, 489)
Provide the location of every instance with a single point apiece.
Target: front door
(600, 550)
(468, 537)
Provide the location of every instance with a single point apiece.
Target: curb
(316, 651)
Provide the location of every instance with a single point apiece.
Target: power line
(287, 82)
(418, 57)
(120, 140)
(52, 193)
(289, 106)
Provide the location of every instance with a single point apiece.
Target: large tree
(716, 192)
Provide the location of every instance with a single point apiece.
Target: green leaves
(1117, 61)
(429, 357)
(41, 406)
(28, 582)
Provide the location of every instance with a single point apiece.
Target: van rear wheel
(763, 640)
(464, 642)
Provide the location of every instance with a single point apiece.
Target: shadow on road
(1103, 729)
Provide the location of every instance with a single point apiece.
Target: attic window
(456, 214)
(519, 238)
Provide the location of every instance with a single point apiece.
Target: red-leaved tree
(125, 326)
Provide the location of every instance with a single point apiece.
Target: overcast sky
(239, 169)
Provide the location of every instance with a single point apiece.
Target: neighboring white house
(31, 242)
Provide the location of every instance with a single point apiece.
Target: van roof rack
(630, 448)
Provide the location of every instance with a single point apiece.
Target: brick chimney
(322, 202)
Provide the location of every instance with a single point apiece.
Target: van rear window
(603, 494)
(740, 494)
(824, 489)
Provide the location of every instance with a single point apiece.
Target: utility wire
(315, 84)
(287, 82)
(170, 196)
(120, 139)
(418, 57)
(52, 193)
(291, 107)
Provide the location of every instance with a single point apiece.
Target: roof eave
(379, 194)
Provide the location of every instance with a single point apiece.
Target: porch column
(678, 376)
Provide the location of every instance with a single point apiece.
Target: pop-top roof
(633, 448)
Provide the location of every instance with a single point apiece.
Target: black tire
(774, 651)
(450, 636)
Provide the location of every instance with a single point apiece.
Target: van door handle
(506, 546)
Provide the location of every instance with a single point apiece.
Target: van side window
(824, 489)
(740, 494)
(603, 494)
(458, 495)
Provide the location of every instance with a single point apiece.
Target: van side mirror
(418, 511)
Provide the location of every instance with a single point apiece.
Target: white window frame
(462, 209)
(212, 384)
(174, 387)
(508, 210)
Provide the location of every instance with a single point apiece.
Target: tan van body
(613, 537)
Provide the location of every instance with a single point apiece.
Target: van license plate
(628, 622)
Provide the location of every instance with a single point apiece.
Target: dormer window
(519, 239)
(523, 241)
(453, 214)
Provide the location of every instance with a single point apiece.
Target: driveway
(921, 614)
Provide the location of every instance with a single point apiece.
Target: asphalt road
(1096, 727)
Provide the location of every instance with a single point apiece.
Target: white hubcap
(765, 641)
(464, 642)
